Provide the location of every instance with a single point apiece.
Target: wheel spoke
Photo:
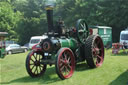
(35, 70)
(41, 65)
(81, 31)
(31, 64)
(95, 45)
(82, 25)
(65, 56)
(62, 68)
(40, 68)
(39, 58)
(97, 62)
(95, 59)
(35, 57)
(94, 51)
(69, 59)
(62, 60)
(67, 70)
(62, 57)
(99, 57)
(69, 66)
(61, 65)
(32, 60)
(32, 67)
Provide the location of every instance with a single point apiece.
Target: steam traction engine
(65, 48)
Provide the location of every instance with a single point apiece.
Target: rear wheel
(33, 64)
(94, 51)
(65, 63)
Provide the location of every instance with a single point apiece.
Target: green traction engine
(64, 48)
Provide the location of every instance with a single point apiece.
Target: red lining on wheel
(100, 56)
(72, 66)
(34, 66)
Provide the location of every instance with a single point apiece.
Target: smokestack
(49, 5)
(50, 20)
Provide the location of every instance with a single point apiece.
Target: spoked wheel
(94, 51)
(82, 30)
(33, 65)
(65, 63)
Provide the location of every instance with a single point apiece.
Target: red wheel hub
(96, 51)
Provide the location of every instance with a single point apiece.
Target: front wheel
(65, 63)
(94, 50)
(33, 64)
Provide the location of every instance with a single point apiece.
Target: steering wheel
(82, 30)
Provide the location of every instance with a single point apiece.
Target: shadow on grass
(121, 80)
(82, 67)
(49, 76)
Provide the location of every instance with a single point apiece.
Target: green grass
(114, 71)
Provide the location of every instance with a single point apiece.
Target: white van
(124, 38)
(35, 40)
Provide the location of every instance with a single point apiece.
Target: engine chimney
(49, 5)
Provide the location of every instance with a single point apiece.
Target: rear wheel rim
(98, 52)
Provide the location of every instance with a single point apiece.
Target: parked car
(8, 42)
(15, 48)
(26, 45)
(35, 40)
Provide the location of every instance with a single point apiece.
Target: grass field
(114, 71)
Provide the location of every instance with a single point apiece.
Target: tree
(26, 18)
(8, 19)
(33, 22)
(114, 14)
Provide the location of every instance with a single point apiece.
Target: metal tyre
(65, 63)
(33, 65)
(94, 51)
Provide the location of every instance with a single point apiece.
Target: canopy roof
(3, 34)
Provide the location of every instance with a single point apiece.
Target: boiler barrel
(50, 45)
(69, 42)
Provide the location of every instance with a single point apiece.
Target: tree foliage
(25, 18)
(8, 19)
